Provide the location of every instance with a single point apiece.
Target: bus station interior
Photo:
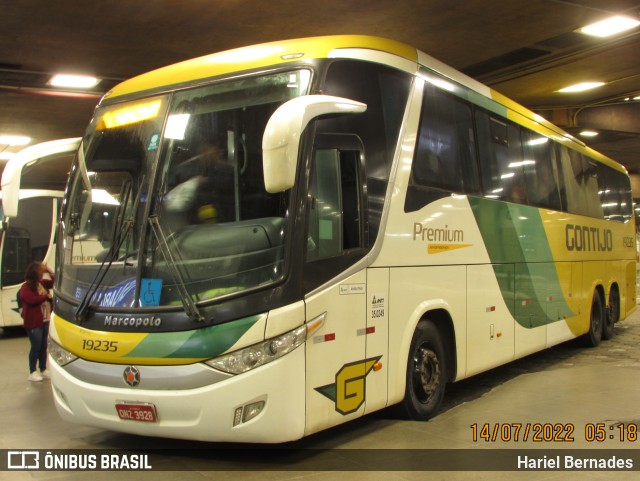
(526, 50)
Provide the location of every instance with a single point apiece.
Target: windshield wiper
(189, 306)
(81, 312)
(121, 236)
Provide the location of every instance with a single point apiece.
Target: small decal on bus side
(377, 306)
(347, 289)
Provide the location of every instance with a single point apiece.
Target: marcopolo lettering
(583, 238)
(149, 321)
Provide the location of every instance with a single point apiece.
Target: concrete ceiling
(525, 49)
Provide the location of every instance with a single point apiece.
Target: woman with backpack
(36, 308)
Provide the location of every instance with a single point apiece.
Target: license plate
(145, 413)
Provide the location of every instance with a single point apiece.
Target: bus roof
(256, 56)
(282, 52)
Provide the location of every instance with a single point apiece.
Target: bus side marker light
(377, 366)
(62, 397)
(366, 331)
(491, 309)
(324, 338)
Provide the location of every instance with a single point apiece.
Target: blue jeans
(38, 352)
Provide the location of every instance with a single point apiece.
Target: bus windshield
(168, 201)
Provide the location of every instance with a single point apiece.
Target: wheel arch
(436, 312)
(443, 321)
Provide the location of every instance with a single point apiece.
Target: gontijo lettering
(584, 238)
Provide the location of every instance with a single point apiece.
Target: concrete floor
(566, 384)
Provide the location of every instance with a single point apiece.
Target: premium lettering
(437, 235)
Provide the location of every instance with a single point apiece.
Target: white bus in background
(33, 182)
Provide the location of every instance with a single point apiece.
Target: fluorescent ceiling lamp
(73, 81)
(610, 26)
(538, 141)
(101, 196)
(581, 87)
(176, 126)
(588, 133)
(514, 165)
(14, 140)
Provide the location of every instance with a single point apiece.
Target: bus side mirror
(281, 139)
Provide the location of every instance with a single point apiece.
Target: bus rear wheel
(612, 314)
(426, 374)
(596, 322)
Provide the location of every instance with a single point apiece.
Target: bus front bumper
(209, 413)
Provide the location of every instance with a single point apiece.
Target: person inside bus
(35, 294)
(206, 196)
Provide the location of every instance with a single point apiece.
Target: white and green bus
(33, 183)
(292, 235)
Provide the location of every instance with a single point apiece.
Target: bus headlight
(59, 354)
(259, 354)
(263, 353)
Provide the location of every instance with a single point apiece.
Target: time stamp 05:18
(554, 432)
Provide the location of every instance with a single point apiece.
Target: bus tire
(596, 322)
(426, 374)
(612, 313)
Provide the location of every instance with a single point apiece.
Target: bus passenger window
(501, 158)
(444, 161)
(615, 194)
(539, 171)
(580, 178)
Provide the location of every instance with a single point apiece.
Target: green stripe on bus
(519, 250)
(202, 343)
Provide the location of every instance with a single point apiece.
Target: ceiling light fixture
(13, 140)
(610, 26)
(581, 87)
(588, 133)
(73, 81)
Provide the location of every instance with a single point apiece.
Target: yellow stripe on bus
(107, 347)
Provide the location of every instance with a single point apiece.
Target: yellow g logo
(348, 392)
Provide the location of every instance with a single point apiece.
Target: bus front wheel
(426, 374)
